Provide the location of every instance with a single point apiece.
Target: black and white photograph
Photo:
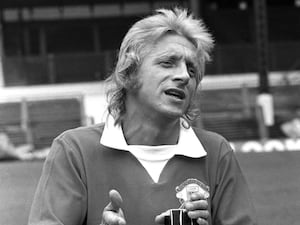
(149, 112)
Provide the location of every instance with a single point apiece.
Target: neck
(139, 130)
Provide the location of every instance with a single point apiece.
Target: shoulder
(213, 143)
(83, 133)
(76, 146)
(81, 139)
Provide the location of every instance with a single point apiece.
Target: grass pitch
(273, 178)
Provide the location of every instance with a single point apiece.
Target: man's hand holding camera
(196, 208)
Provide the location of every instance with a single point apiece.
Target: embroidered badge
(190, 186)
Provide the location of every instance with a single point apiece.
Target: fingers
(198, 214)
(197, 208)
(198, 196)
(201, 215)
(199, 204)
(110, 218)
(160, 219)
(201, 221)
(115, 200)
(197, 201)
(112, 213)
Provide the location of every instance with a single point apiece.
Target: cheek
(192, 89)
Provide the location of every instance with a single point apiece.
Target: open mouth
(177, 93)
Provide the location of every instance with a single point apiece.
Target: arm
(61, 196)
(231, 202)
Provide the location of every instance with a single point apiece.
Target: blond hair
(137, 44)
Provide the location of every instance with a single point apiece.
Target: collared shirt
(79, 172)
(153, 158)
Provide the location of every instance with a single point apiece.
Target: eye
(167, 63)
(192, 71)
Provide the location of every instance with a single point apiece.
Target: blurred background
(56, 54)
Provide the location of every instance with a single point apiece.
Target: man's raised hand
(112, 213)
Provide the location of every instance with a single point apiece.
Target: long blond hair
(137, 44)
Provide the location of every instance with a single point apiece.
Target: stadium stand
(233, 127)
(230, 112)
(11, 122)
(49, 118)
(233, 112)
(38, 122)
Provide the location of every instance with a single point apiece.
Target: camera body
(179, 217)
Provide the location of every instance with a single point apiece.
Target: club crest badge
(190, 186)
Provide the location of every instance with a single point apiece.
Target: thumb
(160, 219)
(115, 200)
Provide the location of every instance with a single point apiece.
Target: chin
(174, 114)
(170, 111)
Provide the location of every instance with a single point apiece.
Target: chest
(143, 198)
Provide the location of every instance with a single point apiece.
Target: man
(146, 159)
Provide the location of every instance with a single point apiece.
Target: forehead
(174, 45)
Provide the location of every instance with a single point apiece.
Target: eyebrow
(176, 56)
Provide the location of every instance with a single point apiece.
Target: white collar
(188, 144)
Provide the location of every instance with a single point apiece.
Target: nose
(181, 74)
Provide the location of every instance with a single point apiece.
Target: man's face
(168, 78)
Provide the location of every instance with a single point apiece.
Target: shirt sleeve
(231, 202)
(61, 195)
